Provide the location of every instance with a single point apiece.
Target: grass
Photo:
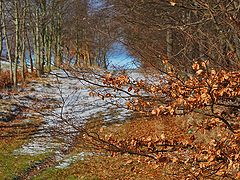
(106, 166)
(12, 137)
(103, 165)
(11, 165)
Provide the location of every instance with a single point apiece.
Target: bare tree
(180, 32)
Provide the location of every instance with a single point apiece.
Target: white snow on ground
(77, 108)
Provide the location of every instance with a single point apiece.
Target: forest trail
(69, 106)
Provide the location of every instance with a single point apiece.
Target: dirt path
(70, 106)
(64, 103)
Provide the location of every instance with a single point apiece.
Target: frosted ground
(71, 108)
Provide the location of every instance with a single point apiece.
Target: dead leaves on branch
(206, 89)
(217, 158)
(118, 81)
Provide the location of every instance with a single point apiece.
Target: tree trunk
(7, 47)
(169, 40)
(48, 49)
(23, 60)
(30, 53)
(104, 61)
(58, 50)
(37, 44)
(16, 14)
(43, 46)
(23, 48)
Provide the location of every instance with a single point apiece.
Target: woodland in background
(81, 33)
(36, 35)
(181, 31)
(191, 48)
(192, 51)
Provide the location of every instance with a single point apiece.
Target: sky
(120, 58)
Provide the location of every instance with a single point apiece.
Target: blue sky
(119, 57)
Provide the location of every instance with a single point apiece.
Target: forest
(67, 112)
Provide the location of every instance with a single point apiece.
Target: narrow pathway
(68, 105)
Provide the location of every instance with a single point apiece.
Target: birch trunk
(37, 44)
(7, 46)
(16, 14)
(28, 41)
(43, 44)
(23, 48)
(30, 53)
(58, 50)
(48, 49)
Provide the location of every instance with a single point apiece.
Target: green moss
(12, 164)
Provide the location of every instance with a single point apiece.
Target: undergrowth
(7, 83)
(106, 164)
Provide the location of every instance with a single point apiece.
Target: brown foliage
(5, 81)
(207, 92)
(188, 151)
